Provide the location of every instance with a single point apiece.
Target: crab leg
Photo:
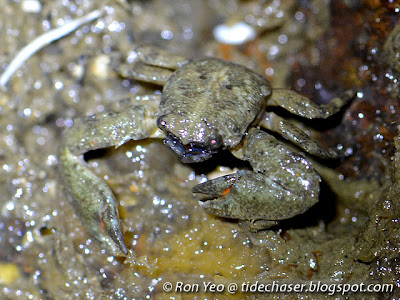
(294, 134)
(153, 65)
(160, 57)
(304, 107)
(90, 195)
(145, 73)
(282, 184)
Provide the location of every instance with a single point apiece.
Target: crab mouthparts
(191, 153)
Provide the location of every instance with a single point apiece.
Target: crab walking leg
(160, 57)
(304, 107)
(294, 134)
(145, 73)
(282, 185)
(154, 65)
(91, 197)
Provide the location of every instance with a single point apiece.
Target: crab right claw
(90, 196)
(282, 185)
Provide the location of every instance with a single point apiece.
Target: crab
(207, 105)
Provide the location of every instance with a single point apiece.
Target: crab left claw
(282, 185)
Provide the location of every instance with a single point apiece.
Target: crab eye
(161, 122)
(215, 141)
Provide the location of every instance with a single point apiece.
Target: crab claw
(260, 199)
(111, 223)
(236, 195)
(282, 185)
(101, 220)
(216, 187)
(93, 202)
